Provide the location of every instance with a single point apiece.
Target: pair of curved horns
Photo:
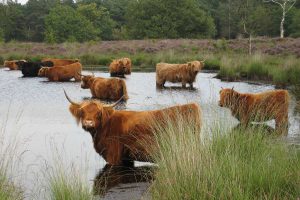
(231, 88)
(106, 106)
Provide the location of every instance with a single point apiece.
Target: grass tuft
(242, 164)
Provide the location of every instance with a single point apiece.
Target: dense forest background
(56, 21)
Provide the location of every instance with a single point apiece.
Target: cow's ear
(76, 112)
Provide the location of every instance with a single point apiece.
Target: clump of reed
(240, 164)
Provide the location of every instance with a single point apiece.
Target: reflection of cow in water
(124, 136)
(113, 176)
(259, 107)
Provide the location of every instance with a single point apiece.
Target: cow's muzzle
(220, 104)
(87, 124)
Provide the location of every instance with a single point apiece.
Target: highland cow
(105, 88)
(258, 107)
(62, 73)
(124, 136)
(120, 67)
(175, 73)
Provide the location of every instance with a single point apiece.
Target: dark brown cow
(258, 107)
(105, 88)
(121, 136)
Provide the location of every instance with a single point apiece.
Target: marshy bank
(274, 60)
(46, 122)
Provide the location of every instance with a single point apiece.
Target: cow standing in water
(120, 67)
(122, 137)
(105, 88)
(62, 73)
(258, 107)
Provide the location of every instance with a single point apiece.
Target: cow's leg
(191, 86)
(114, 153)
(282, 123)
(184, 84)
(55, 78)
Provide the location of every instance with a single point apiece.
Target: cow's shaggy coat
(122, 136)
(175, 73)
(258, 107)
(62, 73)
(105, 88)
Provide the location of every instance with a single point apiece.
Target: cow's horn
(72, 102)
(116, 103)
(222, 88)
(232, 87)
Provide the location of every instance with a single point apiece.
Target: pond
(35, 112)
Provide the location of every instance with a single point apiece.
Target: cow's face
(21, 64)
(195, 66)
(226, 97)
(86, 81)
(43, 71)
(93, 115)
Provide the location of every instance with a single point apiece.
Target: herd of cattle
(120, 136)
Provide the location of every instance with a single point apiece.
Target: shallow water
(36, 112)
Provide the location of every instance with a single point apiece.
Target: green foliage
(66, 24)
(100, 18)
(168, 19)
(294, 27)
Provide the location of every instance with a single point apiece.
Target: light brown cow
(62, 73)
(120, 67)
(12, 64)
(175, 73)
(60, 62)
(105, 88)
(258, 107)
(121, 136)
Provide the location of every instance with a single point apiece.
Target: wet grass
(242, 164)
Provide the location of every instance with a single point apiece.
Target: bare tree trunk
(282, 25)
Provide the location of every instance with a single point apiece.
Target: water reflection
(120, 181)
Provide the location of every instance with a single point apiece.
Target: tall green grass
(10, 156)
(242, 164)
(65, 180)
(68, 185)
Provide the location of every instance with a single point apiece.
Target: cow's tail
(124, 90)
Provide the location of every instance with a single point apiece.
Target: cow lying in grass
(175, 73)
(105, 88)
(60, 62)
(62, 73)
(120, 67)
(258, 107)
(124, 136)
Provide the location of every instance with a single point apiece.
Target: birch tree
(286, 6)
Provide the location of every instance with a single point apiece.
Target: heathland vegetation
(272, 60)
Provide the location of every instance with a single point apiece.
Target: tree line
(57, 21)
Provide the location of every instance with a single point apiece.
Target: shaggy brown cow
(61, 62)
(185, 73)
(258, 107)
(122, 136)
(62, 73)
(12, 64)
(120, 67)
(105, 88)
